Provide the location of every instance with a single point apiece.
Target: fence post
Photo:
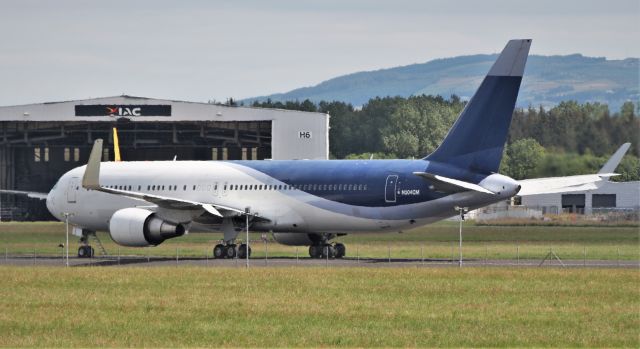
(327, 254)
(452, 254)
(358, 254)
(118, 255)
(6, 254)
(486, 253)
(584, 256)
(296, 255)
(266, 253)
(34, 256)
(618, 262)
(422, 254)
(176, 256)
(518, 255)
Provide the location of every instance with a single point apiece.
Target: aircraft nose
(51, 204)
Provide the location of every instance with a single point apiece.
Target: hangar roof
(143, 109)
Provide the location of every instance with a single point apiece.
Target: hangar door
(573, 203)
(604, 200)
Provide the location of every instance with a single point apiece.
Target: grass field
(433, 241)
(344, 307)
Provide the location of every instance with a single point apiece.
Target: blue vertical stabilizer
(476, 140)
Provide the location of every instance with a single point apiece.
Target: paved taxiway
(137, 261)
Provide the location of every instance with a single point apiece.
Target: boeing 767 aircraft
(303, 202)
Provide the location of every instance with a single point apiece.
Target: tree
(523, 157)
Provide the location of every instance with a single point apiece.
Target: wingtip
(91, 177)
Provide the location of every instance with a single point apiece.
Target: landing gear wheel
(242, 251)
(230, 251)
(85, 251)
(341, 250)
(328, 251)
(218, 251)
(315, 251)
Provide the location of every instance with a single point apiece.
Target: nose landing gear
(86, 251)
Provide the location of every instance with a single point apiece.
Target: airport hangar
(40, 142)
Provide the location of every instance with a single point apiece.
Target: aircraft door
(390, 188)
(71, 190)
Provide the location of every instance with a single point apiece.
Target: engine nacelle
(296, 239)
(137, 227)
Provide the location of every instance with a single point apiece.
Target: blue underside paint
(408, 188)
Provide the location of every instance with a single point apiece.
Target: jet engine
(296, 239)
(136, 227)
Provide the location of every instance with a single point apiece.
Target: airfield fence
(269, 253)
(555, 215)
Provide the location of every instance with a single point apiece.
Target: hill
(548, 80)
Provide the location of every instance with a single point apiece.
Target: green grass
(318, 307)
(436, 241)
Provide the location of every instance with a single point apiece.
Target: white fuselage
(284, 208)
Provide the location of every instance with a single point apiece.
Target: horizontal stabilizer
(450, 185)
(31, 194)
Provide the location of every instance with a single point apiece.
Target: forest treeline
(570, 138)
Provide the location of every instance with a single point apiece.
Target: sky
(213, 50)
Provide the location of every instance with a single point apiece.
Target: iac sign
(304, 134)
(120, 111)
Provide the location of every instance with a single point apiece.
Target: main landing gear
(231, 251)
(327, 250)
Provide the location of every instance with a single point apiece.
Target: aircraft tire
(242, 251)
(328, 252)
(340, 249)
(230, 251)
(218, 251)
(315, 251)
(84, 252)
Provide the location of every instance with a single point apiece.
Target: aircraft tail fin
(476, 140)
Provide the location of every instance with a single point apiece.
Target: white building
(40, 142)
(621, 195)
(609, 197)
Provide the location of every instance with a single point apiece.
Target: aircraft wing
(551, 185)
(91, 177)
(31, 194)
